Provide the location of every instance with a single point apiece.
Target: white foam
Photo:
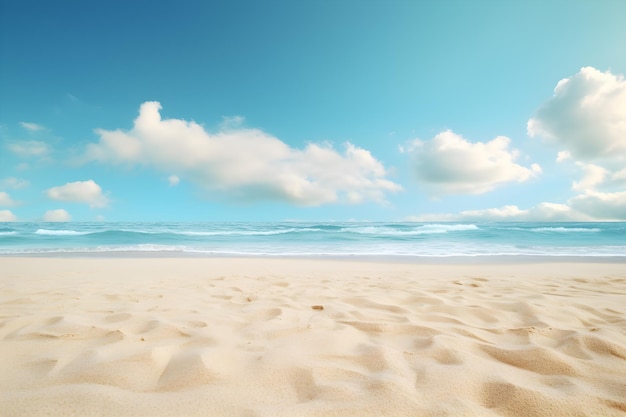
(49, 232)
(420, 230)
(565, 229)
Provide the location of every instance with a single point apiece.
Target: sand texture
(269, 337)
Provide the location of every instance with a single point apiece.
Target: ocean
(337, 239)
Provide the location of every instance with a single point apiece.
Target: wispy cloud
(450, 164)
(6, 200)
(32, 127)
(79, 192)
(14, 183)
(71, 97)
(29, 148)
(173, 180)
(244, 164)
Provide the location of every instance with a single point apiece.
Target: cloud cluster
(79, 192)
(586, 118)
(7, 201)
(540, 212)
(450, 164)
(247, 164)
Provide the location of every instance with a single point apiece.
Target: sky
(452, 110)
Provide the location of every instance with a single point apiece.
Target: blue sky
(312, 110)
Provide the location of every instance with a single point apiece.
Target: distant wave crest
(566, 229)
(246, 232)
(419, 230)
(49, 232)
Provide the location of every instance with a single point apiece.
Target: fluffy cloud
(593, 175)
(586, 116)
(601, 206)
(29, 148)
(246, 164)
(7, 216)
(449, 164)
(6, 200)
(58, 215)
(79, 192)
(619, 177)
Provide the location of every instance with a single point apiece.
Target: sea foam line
(49, 232)
(420, 230)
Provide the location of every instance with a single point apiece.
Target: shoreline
(196, 336)
(409, 259)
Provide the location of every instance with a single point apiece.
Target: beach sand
(305, 337)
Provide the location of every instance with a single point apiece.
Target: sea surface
(339, 239)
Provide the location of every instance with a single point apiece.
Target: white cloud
(33, 127)
(232, 122)
(593, 175)
(6, 200)
(246, 164)
(563, 156)
(619, 177)
(173, 180)
(7, 216)
(590, 206)
(14, 183)
(601, 206)
(586, 116)
(540, 212)
(450, 164)
(79, 192)
(58, 215)
(599, 178)
(29, 148)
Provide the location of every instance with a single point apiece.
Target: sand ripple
(160, 337)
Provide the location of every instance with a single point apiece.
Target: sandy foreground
(272, 337)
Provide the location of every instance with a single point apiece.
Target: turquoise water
(318, 239)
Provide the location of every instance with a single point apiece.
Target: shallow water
(405, 239)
